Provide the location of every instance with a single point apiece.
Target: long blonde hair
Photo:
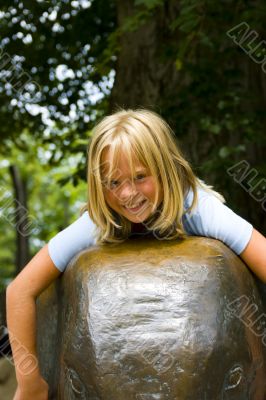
(144, 136)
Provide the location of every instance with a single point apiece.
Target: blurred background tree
(64, 64)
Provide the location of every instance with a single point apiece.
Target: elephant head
(154, 320)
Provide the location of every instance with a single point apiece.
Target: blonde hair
(144, 136)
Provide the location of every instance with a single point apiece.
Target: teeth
(134, 206)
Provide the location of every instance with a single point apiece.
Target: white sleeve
(211, 218)
(67, 243)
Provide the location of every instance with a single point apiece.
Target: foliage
(63, 47)
(50, 206)
(217, 94)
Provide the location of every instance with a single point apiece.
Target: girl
(138, 183)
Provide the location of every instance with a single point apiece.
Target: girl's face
(132, 199)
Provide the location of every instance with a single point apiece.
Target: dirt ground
(8, 381)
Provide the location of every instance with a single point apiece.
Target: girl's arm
(254, 254)
(21, 320)
(212, 218)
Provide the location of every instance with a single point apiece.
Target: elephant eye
(234, 377)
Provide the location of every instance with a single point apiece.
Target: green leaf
(216, 129)
(224, 152)
(178, 64)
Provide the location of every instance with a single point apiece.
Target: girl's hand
(38, 390)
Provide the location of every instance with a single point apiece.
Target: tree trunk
(144, 74)
(21, 219)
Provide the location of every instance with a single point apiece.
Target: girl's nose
(127, 191)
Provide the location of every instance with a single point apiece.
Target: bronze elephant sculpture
(154, 320)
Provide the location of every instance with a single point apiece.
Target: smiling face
(134, 197)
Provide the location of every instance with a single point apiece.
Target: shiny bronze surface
(154, 320)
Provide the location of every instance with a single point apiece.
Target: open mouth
(134, 209)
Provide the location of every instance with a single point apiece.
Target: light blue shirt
(210, 218)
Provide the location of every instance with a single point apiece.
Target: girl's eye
(141, 176)
(114, 184)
